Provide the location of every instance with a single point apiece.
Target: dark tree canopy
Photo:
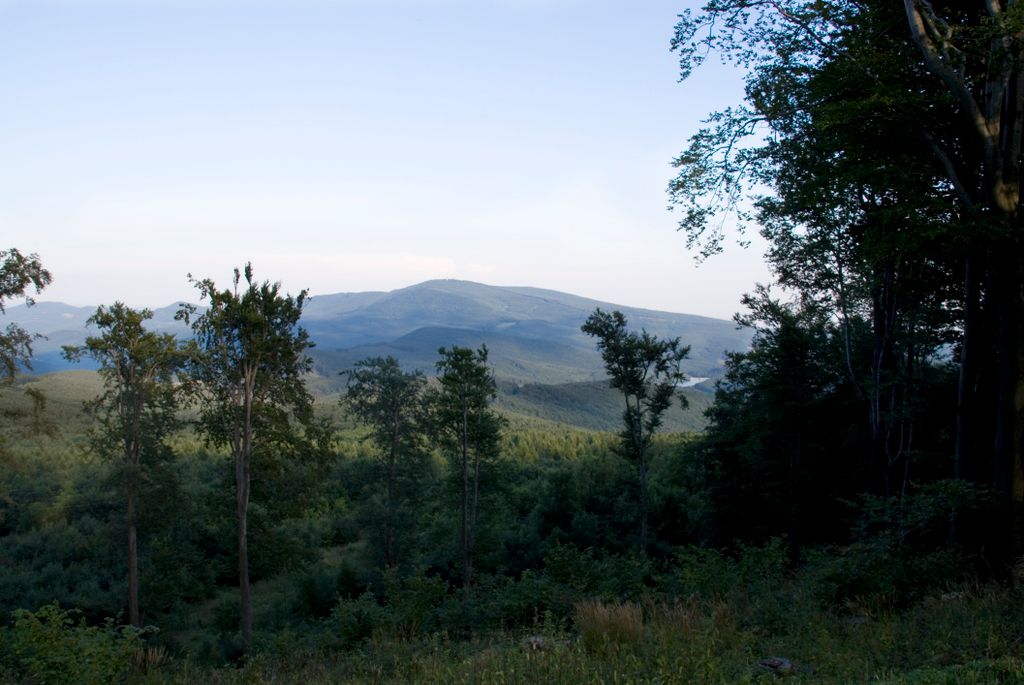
(878, 151)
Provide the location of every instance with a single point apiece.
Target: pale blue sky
(345, 145)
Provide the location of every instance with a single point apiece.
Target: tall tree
(976, 51)
(137, 409)
(247, 369)
(389, 400)
(19, 275)
(890, 138)
(646, 371)
(779, 455)
(469, 430)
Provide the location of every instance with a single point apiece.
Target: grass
(969, 637)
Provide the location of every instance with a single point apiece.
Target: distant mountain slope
(533, 334)
(595, 405)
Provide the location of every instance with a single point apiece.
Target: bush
(414, 600)
(356, 620)
(55, 646)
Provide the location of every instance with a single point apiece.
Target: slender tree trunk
(133, 560)
(476, 499)
(389, 524)
(965, 466)
(882, 324)
(793, 535)
(243, 463)
(643, 500)
(245, 591)
(466, 559)
(965, 463)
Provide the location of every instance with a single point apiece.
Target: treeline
(203, 493)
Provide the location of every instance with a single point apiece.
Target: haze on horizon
(348, 145)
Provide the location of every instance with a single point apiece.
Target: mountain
(61, 324)
(533, 334)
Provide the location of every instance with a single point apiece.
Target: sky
(351, 145)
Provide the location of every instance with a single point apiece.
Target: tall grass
(608, 626)
(972, 636)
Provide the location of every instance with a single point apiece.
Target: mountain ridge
(533, 333)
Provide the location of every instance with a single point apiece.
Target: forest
(853, 512)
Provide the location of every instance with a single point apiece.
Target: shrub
(55, 646)
(356, 620)
(414, 600)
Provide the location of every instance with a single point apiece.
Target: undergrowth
(973, 634)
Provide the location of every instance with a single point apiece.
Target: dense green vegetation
(853, 511)
(558, 529)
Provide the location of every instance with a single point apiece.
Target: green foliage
(248, 362)
(54, 646)
(469, 433)
(246, 368)
(593, 406)
(390, 402)
(646, 371)
(19, 274)
(137, 409)
(969, 635)
(355, 620)
(414, 599)
(901, 548)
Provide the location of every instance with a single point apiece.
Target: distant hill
(533, 335)
(595, 405)
(592, 406)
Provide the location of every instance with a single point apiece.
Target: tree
(897, 131)
(18, 274)
(247, 366)
(137, 409)
(646, 371)
(388, 399)
(469, 430)
(976, 51)
(778, 455)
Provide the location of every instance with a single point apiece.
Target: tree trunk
(992, 100)
(965, 466)
(245, 591)
(476, 499)
(643, 500)
(389, 524)
(1008, 480)
(466, 558)
(133, 562)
